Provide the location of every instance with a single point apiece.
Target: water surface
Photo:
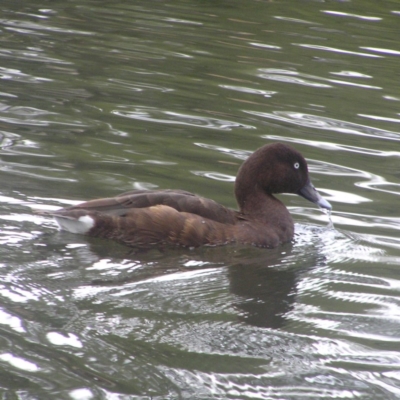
(99, 98)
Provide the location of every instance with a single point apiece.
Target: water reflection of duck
(146, 218)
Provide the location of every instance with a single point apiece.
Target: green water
(99, 98)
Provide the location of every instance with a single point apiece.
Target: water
(98, 98)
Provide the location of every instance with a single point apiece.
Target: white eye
(296, 165)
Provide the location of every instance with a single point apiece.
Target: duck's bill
(310, 193)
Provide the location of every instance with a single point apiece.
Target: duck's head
(276, 168)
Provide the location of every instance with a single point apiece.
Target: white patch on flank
(81, 225)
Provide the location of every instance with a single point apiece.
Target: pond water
(98, 98)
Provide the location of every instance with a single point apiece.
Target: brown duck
(147, 218)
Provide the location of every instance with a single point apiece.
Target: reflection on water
(99, 99)
(314, 121)
(168, 117)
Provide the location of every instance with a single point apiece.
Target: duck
(144, 219)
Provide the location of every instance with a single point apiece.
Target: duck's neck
(265, 208)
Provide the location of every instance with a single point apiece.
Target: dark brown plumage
(146, 218)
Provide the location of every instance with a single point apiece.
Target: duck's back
(178, 200)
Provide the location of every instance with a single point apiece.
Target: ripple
(371, 221)
(351, 74)
(369, 302)
(59, 339)
(347, 83)
(266, 46)
(385, 242)
(326, 123)
(295, 20)
(335, 147)
(240, 154)
(243, 89)
(19, 362)
(34, 171)
(19, 293)
(182, 21)
(215, 175)
(82, 394)
(338, 246)
(336, 50)
(379, 118)
(380, 50)
(30, 116)
(358, 16)
(139, 87)
(379, 184)
(30, 55)
(31, 26)
(12, 321)
(345, 197)
(295, 77)
(16, 75)
(291, 77)
(170, 117)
